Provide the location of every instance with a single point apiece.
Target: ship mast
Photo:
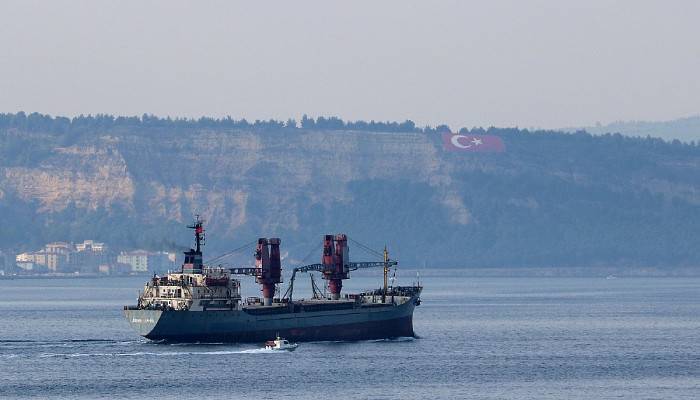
(198, 233)
(193, 258)
(386, 271)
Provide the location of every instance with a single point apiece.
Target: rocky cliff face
(550, 199)
(89, 177)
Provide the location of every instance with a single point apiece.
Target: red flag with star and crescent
(472, 143)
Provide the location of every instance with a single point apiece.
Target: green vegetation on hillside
(551, 199)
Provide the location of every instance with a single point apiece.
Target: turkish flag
(473, 143)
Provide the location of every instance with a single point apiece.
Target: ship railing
(186, 296)
(151, 306)
(406, 291)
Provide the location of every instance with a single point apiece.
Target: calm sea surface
(480, 338)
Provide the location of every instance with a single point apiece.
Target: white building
(24, 257)
(137, 259)
(144, 261)
(58, 248)
(90, 245)
(25, 261)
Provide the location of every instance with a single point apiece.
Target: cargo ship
(203, 303)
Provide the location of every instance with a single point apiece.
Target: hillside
(683, 129)
(551, 199)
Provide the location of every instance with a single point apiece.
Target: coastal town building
(91, 257)
(53, 257)
(25, 261)
(144, 261)
(6, 267)
(90, 245)
(137, 259)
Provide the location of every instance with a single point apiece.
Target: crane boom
(324, 267)
(244, 271)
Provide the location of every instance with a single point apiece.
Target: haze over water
(483, 338)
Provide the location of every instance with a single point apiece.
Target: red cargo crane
(335, 265)
(268, 267)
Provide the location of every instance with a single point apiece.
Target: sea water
(478, 338)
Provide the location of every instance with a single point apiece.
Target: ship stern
(142, 321)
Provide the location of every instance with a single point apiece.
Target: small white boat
(280, 344)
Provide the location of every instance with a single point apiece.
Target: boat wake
(159, 354)
(67, 343)
(75, 348)
(395, 340)
(401, 339)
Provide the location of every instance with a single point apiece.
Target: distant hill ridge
(683, 129)
(551, 199)
(38, 122)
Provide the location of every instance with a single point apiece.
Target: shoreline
(490, 272)
(69, 276)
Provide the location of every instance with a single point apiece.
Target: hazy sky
(464, 63)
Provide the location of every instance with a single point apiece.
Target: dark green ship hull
(297, 322)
